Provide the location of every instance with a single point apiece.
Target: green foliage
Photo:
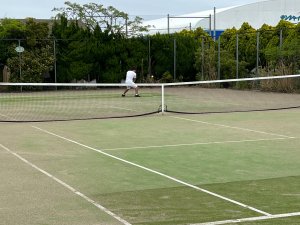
(185, 57)
(37, 59)
(206, 62)
(10, 28)
(247, 46)
(164, 46)
(32, 64)
(283, 56)
(167, 77)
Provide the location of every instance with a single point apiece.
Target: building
(268, 12)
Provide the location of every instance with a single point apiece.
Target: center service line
(156, 172)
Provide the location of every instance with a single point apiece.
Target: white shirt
(130, 76)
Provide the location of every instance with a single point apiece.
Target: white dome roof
(256, 14)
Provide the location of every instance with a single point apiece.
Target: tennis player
(130, 78)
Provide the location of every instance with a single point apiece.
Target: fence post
(174, 59)
(54, 52)
(215, 24)
(20, 61)
(149, 56)
(237, 56)
(257, 53)
(280, 39)
(168, 24)
(219, 58)
(202, 59)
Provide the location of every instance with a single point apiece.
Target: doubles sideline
(67, 186)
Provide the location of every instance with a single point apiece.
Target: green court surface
(170, 169)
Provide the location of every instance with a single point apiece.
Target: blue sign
(291, 18)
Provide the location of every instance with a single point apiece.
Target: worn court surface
(156, 170)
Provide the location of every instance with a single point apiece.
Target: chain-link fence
(158, 58)
(244, 54)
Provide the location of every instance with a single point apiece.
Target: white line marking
(115, 107)
(67, 186)
(192, 144)
(156, 172)
(238, 128)
(251, 219)
(3, 115)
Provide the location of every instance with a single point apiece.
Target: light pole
(20, 49)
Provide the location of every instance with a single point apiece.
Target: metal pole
(168, 24)
(54, 48)
(237, 56)
(257, 53)
(202, 59)
(149, 56)
(162, 98)
(210, 24)
(214, 23)
(219, 58)
(280, 44)
(142, 70)
(174, 59)
(280, 39)
(20, 67)
(126, 25)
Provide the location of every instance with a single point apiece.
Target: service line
(195, 144)
(231, 127)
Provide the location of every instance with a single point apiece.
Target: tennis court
(161, 169)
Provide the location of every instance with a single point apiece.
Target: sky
(150, 9)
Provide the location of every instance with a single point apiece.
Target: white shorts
(130, 84)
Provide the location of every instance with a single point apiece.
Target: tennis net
(234, 95)
(32, 102)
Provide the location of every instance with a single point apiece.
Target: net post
(162, 98)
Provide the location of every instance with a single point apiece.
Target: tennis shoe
(137, 95)
(123, 95)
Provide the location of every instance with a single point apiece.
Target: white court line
(115, 107)
(67, 186)
(156, 172)
(194, 144)
(3, 115)
(251, 219)
(231, 127)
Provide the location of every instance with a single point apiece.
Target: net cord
(149, 84)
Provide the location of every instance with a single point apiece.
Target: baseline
(275, 216)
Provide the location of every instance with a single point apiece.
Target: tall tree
(109, 18)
